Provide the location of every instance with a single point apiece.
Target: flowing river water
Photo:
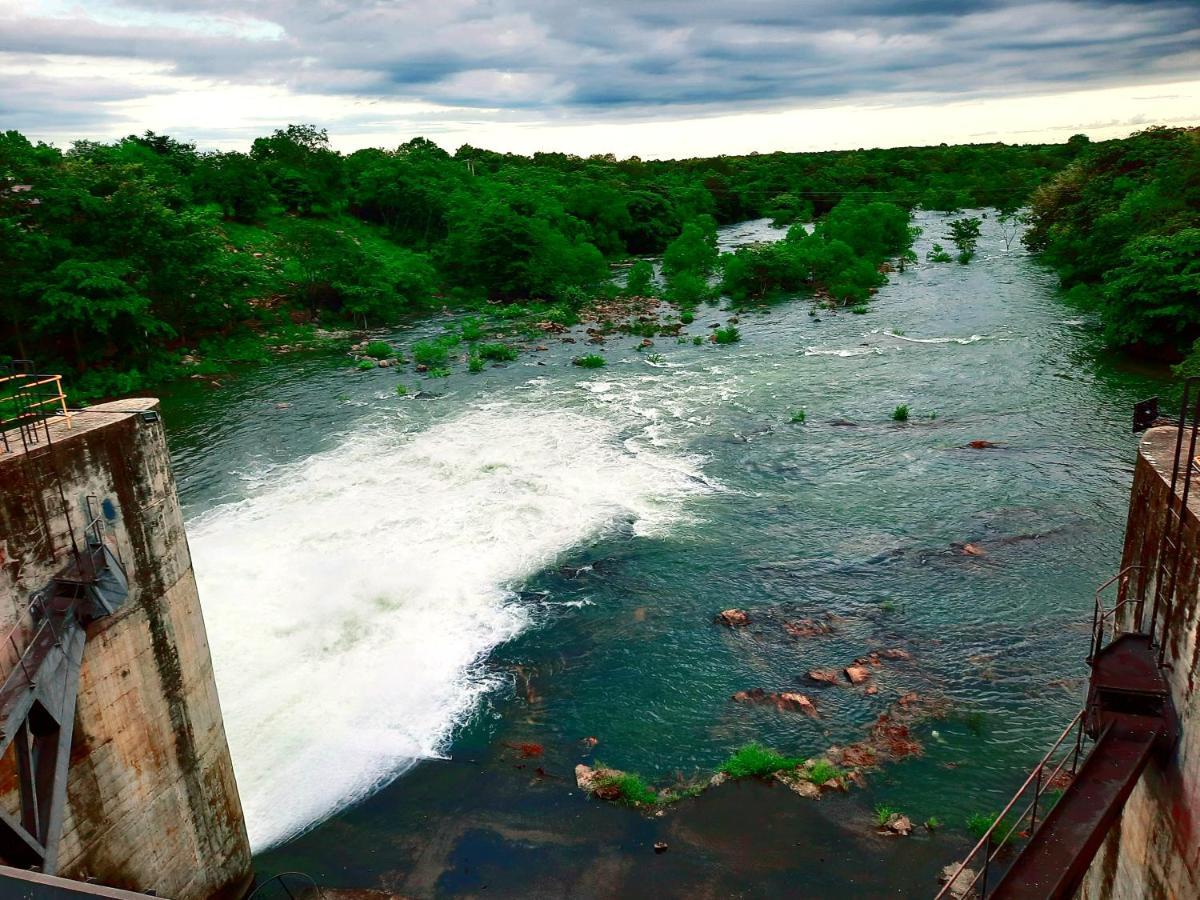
(536, 554)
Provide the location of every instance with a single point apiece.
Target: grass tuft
(900, 413)
(379, 350)
(823, 771)
(630, 789)
(755, 760)
(727, 335)
(591, 361)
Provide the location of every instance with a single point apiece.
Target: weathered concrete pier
(116, 767)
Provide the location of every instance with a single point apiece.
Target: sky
(652, 78)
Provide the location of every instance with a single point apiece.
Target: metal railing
(1108, 620)
(1171, 542)
(1047, 776)
(28, 401)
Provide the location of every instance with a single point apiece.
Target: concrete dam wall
(1153, 851)
(151, 802)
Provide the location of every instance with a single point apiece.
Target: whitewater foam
(352, 599)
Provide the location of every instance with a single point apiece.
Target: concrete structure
(151, 802)
(1154, 849)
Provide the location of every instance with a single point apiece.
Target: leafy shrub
(365, 364)
(401, 390)
(433, 352)
(859, 309)
(755, 760)
(640, 280)
(438, 372)
(697, 340)
(379, 350)
(883, 813)
(475, 364)
(727, 335)
(938, 253)
(591, 361)
(687, 317)
(497, 352)
(471, 329)
(900, 413)
(798, 417)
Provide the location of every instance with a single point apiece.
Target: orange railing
(29, 400)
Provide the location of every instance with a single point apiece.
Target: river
(536, 553)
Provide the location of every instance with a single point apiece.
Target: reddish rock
(981, 445)
(733, 618)
(857, 674)
(973, 550)
(795, 701)
(646, 342)
(786, 700)
(826, 676)
(872, 689)
(590, 742)
(895, 653)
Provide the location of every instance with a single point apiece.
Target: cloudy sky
(648, 77)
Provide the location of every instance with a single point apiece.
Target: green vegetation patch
(591, 361)
(497, 352)
(755, 760)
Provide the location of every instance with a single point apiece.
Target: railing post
(1037, 793)
(987, 861)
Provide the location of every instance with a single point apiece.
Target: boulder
(801, 786)
(981, 445)
(857, 674)
(895, 653)
(973, 550)
(825, 676)
(733, 618)
(794, 701)
(898, 824)
(961, 888)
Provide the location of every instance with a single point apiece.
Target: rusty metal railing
(1171, 541)
(28, 401)
(1108, 620)
(1047, 776)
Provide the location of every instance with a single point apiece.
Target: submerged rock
(981, 445)
(805, 628)
(973, 550)
(857, 674)
(825, 676)
(785, 700)
(961, 888)
(733, 618)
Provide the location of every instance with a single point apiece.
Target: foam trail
(936, 340)
(351, 600)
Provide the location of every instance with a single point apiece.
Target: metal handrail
(28, 399)
(1100, 616)
(1040, 785)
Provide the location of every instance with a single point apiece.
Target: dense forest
(122, 260)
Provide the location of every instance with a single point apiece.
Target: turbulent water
(538, 550)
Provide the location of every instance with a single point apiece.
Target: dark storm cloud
(641, 58)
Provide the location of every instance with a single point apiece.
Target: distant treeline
(119, 258)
